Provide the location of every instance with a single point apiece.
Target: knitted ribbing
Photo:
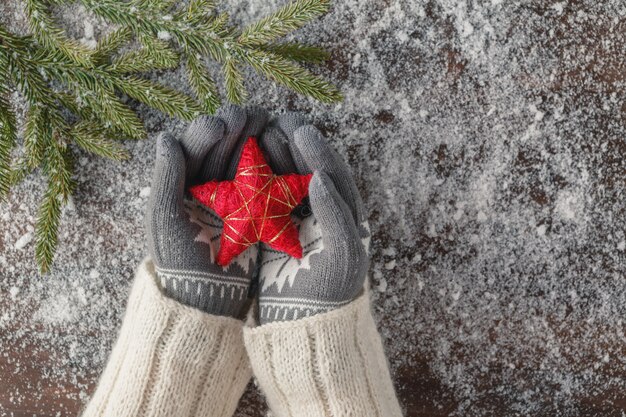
(335, 237)
(328, 365)
(171, 360)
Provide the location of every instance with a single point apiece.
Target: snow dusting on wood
(488, 139)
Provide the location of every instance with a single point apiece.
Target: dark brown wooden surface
(420, 392)
(588, 58)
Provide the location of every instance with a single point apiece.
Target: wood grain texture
(488, 140)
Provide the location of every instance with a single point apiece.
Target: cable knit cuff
(171, 360)
(330, 364)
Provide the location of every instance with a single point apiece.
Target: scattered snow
(88, 29)
(390, 251)
(558, 7)
(382, 285)
(164, 35)
(144, 192)
(568, 205)
(88, 35)
(24, 240)
(467, 30)
(514, 108)
(13, 292)
(541, 230)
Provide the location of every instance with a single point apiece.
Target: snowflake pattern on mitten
(211, 229)
(279, 268)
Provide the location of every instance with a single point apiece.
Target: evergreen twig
(47, 227)
(203, 85)
(287, 19)
(92, 137)
(235, 90)
(8, 139)
(74, 93)
(109, 44)
(52, 37)
(200, 33)
(298, 52)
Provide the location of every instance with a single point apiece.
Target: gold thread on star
(252, 202)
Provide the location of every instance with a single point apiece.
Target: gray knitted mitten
(335, 238)
(183, 236)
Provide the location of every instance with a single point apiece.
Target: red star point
(255, 206)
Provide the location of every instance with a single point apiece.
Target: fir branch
(27, 77)
(113, 113)
(90, 136)
(155, 55)
(10, 42)
(160, 97)
(288, 73)
(202, 37)
(19, 171)
(50, 36)
(235, 90)
(160, 6)
(8, 140)
(220, 36)
(144, 61)
(47, 227)
(96, 91)
(287, 19)
(58, 165)
(199, 9)
(210, 36)
(85, 114)
(70, 102)
(298, 52)
(202, 84)
(110, 44)
(37, 135)
(159, 49)
(73, 93)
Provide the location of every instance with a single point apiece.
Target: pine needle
(50, 36)
(76, 96)
(298, 53)
(288, 73)
(113, 113)
(8, 139)
(110, 44)
(200, 7)
(199, 32)
(59, 166)
(287, 19)
(92, 138)
(160, 97)
(37, 135)
(235, 90)
(145, 60)
(47, 227)
(202, 84)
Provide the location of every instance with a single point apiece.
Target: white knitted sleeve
(327, 365)
(171, 360)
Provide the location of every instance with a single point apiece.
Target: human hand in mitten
(335, 236)
(184, 236)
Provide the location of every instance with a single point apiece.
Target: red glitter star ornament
(255, 206)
